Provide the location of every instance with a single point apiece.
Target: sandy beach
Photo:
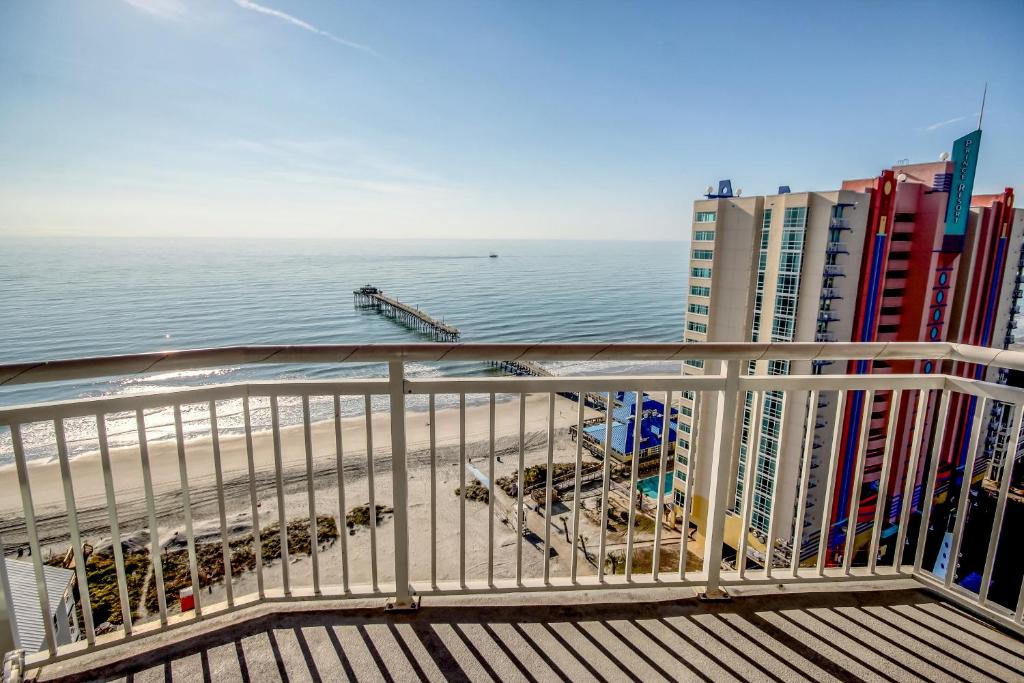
(127, 476)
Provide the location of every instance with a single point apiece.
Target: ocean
(72, 297)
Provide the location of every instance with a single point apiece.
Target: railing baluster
(574, 560)
(151, 510)
(33, 538)
(462, 490)
(490, 493)
(282, 519)
(907, 502)
(1018, 614)
(965, 490)
(186, 504)
(339, 457)
(547, 488)
(1004, 489)
(634, 470)
(773, 517)
(221, 510)
(431, 419)
(7, 611)
(659, 514)
(929, 493)
(371, 489)
(883, 485)
(76, 538)
(721, 464)
(749, 478)
(858, 482)
(830, 484)
(684, 529)
(115, 529)
(805, 478)
(314, 532)
(520, 515)
(399, 484)
(253, 500)
(606, 482)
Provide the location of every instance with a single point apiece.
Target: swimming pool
(649, 486)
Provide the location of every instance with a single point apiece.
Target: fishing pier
(369, 296)
(525, 368)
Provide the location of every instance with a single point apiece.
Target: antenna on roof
(981, 114)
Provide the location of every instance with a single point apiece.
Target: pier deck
(529, 368)
(372, 297)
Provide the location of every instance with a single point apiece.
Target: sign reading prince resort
(965, 161)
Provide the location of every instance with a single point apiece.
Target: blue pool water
(649, 486)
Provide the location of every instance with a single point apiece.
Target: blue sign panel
(965, 162)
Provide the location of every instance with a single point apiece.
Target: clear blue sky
(477, 118)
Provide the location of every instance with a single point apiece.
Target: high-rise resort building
(905, 256)
(770, 268)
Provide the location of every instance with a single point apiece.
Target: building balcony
(829, 293)
(836, 248)
(834, 271)
(828, 317)
(440, 547)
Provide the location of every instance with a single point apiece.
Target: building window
(699, 309)
(697, 290)
(795, 217)
(705, 217)
(695, 363)
(700, 272)
(704, 236)
(703, 254)
(697, 327)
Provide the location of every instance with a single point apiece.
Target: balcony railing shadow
(861, 635)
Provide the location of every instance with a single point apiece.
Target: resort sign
(965, 162)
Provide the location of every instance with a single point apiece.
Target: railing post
(404, 599)
(721, 469)
(8, 625)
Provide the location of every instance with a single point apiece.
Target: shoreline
(126, 469)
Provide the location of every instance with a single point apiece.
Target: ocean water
(73, 297)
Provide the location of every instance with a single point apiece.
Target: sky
(480, 118)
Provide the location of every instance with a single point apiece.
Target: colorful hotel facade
(905, 256)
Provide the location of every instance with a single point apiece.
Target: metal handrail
(141, 363)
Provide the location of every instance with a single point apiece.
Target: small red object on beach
(187, 600)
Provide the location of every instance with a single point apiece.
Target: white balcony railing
(369, 565)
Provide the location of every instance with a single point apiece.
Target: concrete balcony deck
(864, 632)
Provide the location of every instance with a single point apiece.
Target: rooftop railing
(179, 505)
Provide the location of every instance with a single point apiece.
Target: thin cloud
(165, 9)
(948, 122)
(304, 25)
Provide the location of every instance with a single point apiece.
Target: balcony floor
(883, 635)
